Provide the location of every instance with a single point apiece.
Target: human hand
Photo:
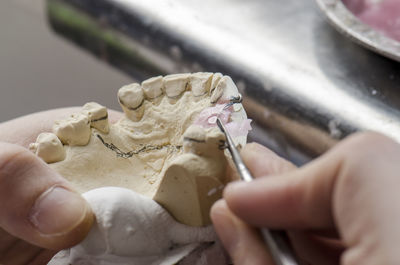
(342, 208)
(40, 213)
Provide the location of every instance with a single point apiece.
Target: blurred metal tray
(342, 19)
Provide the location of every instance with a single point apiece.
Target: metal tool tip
(219, 123)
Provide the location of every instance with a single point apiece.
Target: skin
(40, 213)
(341, 208)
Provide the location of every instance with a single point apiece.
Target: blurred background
(306, 85)
(40, 70)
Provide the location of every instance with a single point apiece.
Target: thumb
(37, 204)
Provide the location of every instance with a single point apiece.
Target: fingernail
(58, 211)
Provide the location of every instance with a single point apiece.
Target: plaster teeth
(98, 116)
(73, 131)
(215, 79)
(48, 147)
(176, 84)
(192, 138)
(152, 87)
(219, 89)
(131, 99)
(200, 83)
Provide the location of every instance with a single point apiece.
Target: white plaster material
(133, 229)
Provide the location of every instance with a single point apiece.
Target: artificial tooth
(131, 98)
(98, 116)
(152, 87)
(219, 89)
(200, 83)
(73, 131)
(48, 147)
(176, 84)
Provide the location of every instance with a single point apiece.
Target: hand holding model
(40, 213)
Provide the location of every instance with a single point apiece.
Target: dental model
(152, 177)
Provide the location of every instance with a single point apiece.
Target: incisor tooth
(48, 147)
(131, 98)
(73, 131)
(217, 92)
(152, 87)
(214, 82)
(200, 83)
(98, 116)
(175, 84)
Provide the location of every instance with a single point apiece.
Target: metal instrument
(276, 241)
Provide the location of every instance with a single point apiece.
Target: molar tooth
(131, 99)
(200, 83)
(219, 89)
(176, 84)
(98, 116)
(74, 130)
(48, 147)
(152, 87)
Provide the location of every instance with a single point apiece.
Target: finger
(43, 257)
(316, 250)
(24, 130)
(263, 162)
(285, 201)
(242, 242)
(20, 253)
(303, 198)
(37, 204)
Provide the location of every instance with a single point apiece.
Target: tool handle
(280, 249)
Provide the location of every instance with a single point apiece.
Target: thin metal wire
(234, 100)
